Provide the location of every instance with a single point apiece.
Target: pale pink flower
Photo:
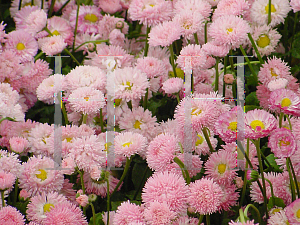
(10, 162)
(192, 53)
(22, 44)
(109, 6)
(295, 4)
(194, 7)
(278, 218)
(128, 213)
(165, 34)
(201, 146)
(52, 45)
(159, 213)
(231, 7)
(279, 83)
(10, 68)
(279, 10)
(65, 213)
(151, 66)
(83, 200)
(213, 49)
(166, 187)
(11, 216)
(292, 212)
(282, 143)
(173, 85)
(259, 123)
(24, 194)
(228, 78)
(7, 180)
(248, 222)
(205, 196)
(68, 165)
(68, 191)
(85, 37)
(150, 12)
(15, 6)
(18, 144)
(116, 37)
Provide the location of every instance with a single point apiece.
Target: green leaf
(251, 99)
(278, 202)
(296, 46)
(99, 219)
(251, 107)
(138, 172)
(271, 159)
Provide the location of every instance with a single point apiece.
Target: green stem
(280, 119)
(84, 118)
(294, 175)
(272, 191)
(184, 170)
(242, 216)
(6, 118)
(255, 49)
(217, 75)
(95, 42)
(94, 214)
(256, 210)
(257, 145)
(205, 32)
(76, 23)
(127, 165)
(238, 64)
(245, 175)
(82, 182)
(146, 99)
(72, 56)
(108, 196)
(207, 219)
(147, 44)
(38, 55)
(63, 108)
(204, 130)
(42, 4)
(2, 197)
(101, 121)
(51, 8)
(32, 2)
(16, 191)
(196, 38)
(64, 5)
(248, 61)
(200, 219)
(269, 12)
(178, 99)
(231, 60)
(172, 59)
(290, 124)
(225, 70)
(20, 5)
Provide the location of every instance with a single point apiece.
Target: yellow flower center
(86, 98)
(186, 26)
(91, 17)
(257, 125)
(263, 41)
(55, 33)
(47, 207)
(129, 85)
(229, 30)
(196, 111)
(232, 126)
(273, 73)
(118, 101)
(200, 140)
(20, 46)
(275, 210)
(137, 124)
(27, 4)
(42, 175)
(284, 143)
(126, 144)
(221, 168)
(272, 8)
(107, 145)
(298, 213)
(286, 102)
(152, 5)
(68, 139)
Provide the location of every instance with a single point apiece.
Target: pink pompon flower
(205, 196)
(111, 6)
(201, 7)
(164, 34)
(231, 7)
(52, 45)
(128, 144)
(192, 53)
(10, 162)
(221, 167)
(295, 4)
(279, 83)
(166, 187)
(286, 101)
(161, 151)
(213, 49)
(230, 30)
(282, 143)
(65, 213)
(83, 200)
(150, 12)
(116, 37)
(86, 100)
(151, 66)
(7, 180)
(159, 214)
(22, 44)
(278, 217)
(18, 144)
(292, 212)
(259, 123)
(11, 216)
(173, 85)
(128, 213)
(248, 222)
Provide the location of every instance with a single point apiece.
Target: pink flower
(194, 7)
(159, 214)
(295, 4)
(7, 180)
(198, 59)
(166, 187)
(109, 6)
(286, 101)
(259, 123)
(128, 213)
(213, 49)
(229, 30)
(242, 223)
(292, 212)
(22, 44)
(151, 66)
(52, 45)
(65, 213)
(282, 143)
(18, 144)
(279, 83)
(164, 34)
(24, 194)
(10, 68)
(116, 37)
(205, 196)
(173, 85)
(83, 200)
(231, 7)
(11, 216)
(228, 78)
(10, 162)
(68, 165)
(150, 13)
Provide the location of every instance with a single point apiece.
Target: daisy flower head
(110, 7)
(278, 218)
(205, 196)
(42, 203)
(159, 213)
(259, 123)
(65, 213)
(260, 9)
(213, 49)
(248, 222)
(165, 34)
(130, 84)
(166, 187)
(229, 30)
(231, 7)
(7, 180)
(295, 4)
(266, 39)
(10, 162)
(22, 44)
(286, 101)
(38, 176)
(201, 146)
(52, 45)
(11, 216)
(194, 7)
(172, 85)
(88, 19)
(196, 55)
(128, 144)
(128, 213)
(292, 212)
(151, 66)
(279, 83)
(150, 12)
(15, 6)
(221, 166)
